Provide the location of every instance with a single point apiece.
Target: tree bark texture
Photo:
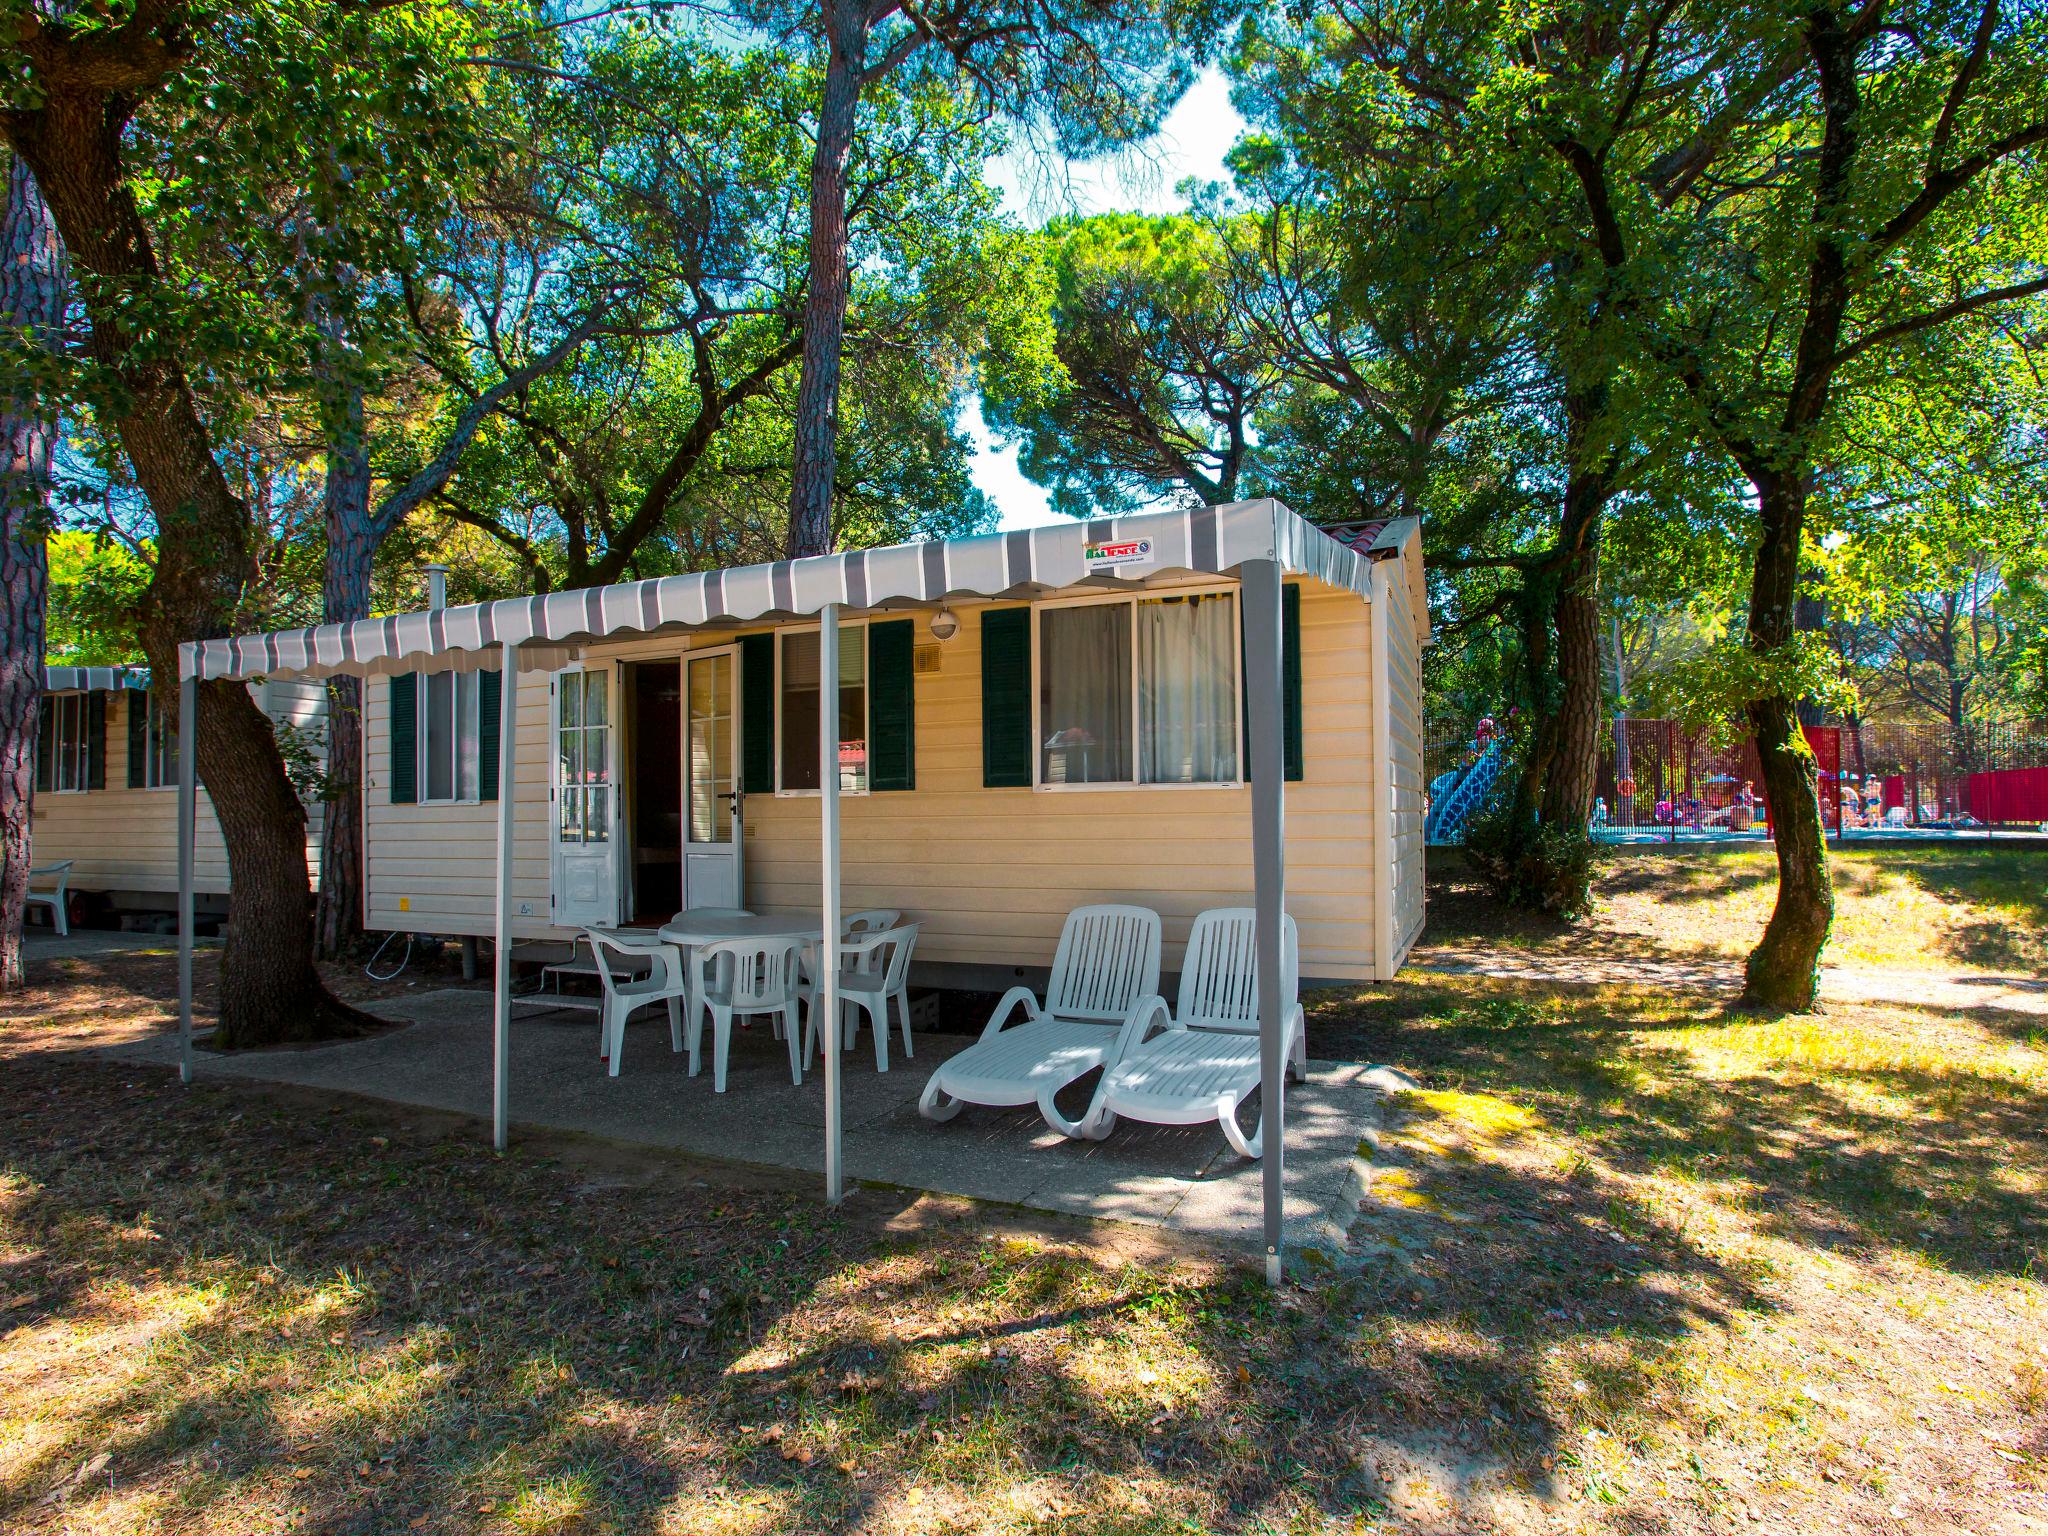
(352, 535)
(345, 597)
(1567, 791)
(817, 413)
(31, 302)
(269, 990)
(1783, 971)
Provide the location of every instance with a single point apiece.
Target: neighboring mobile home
(1002, 758)
(106, 787)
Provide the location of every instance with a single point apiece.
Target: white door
(585, 864)
(711, 797)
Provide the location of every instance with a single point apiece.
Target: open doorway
(656, 780)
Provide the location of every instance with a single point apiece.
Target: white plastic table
(686, 930)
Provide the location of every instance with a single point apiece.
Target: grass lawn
(1914, 909)
(1631, 1264)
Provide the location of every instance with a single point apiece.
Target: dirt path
(1961, 989)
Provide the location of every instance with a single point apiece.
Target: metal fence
(1660, 781)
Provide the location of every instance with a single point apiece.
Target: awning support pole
(1261, 587)
(188, 817)
(501, 959)
(826, 1023)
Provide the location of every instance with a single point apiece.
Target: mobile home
(106, 781)
(1177, 710)
(1004, 756)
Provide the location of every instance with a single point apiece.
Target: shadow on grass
(361, 1321)
(1835, 1134)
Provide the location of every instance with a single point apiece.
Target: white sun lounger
(1104, 977)
(1207, 1060)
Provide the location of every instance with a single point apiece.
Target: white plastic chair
(1104, 977)
(738, 978)
(874, 973)
(57, 900)
(873, 920)
(625, 991)
(1207, 1061)
(703, 913)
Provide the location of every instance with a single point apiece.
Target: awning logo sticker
(1102, 557)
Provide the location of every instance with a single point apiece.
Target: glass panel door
(585, 873)
(711, 800)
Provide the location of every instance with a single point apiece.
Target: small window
(800, 710)
(160, 751)
(1139, 692)
(449, 732)
(63, 759)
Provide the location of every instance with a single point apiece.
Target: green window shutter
(405, 740)
(138, 738)
(46, 745)
(757, 714)
(1006, 698)
(1290, 689)
(1290, 679)
(96, 740)
(892, 705)
(490, 701)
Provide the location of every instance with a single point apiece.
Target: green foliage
(1155, 374)
(1534, 865)
(95, 592)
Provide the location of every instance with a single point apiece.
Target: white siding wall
(126, 839)
(433, 868)
(1404, 656)
(990, 872)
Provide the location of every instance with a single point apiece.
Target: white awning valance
(1201, 540)
(86, 679)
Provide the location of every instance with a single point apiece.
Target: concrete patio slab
(1183, 1178)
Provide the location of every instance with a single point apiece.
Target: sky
(1192, 142)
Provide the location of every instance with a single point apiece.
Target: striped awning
(86, 679)
(1119, 550)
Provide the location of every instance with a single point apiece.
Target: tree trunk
(31, 303)
(269, 988)
(352, 537)
(817, 411)
(345, 597)
(1574, 766)
(1783, 971)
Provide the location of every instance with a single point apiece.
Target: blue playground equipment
(1454, 796)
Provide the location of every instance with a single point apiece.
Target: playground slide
(1454, 796)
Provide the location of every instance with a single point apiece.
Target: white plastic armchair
(626, 990)
(1205, 1061)
(874, 979)
(58, 900)
(737, 978)
(1102, 992)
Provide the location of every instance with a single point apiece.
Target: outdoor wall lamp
(944, 625)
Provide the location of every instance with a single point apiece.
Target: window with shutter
(138, 740)
(405, 739)
(892, 705)
(1006, 698)
(490, 705)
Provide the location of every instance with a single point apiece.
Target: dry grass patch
(1781, 1270)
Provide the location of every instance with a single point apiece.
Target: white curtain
(1187, 690)
(1084, 694)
